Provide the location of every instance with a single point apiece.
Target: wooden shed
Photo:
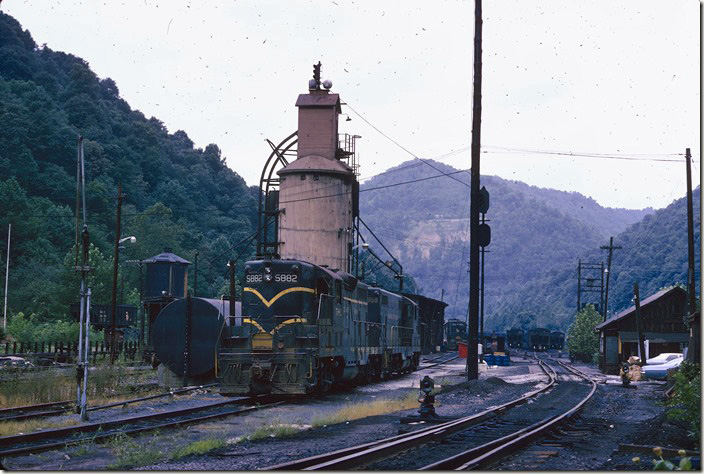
(662, 322)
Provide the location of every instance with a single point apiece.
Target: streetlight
(132, 239)
(113, 308)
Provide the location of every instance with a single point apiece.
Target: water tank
(167, 275)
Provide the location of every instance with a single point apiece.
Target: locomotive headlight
(268, 277)
(267, 269)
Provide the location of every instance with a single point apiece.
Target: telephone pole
(473, 316)
(114, 273)
(7, 275)
(611, 249)
(694, 351)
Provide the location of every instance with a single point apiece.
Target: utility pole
(639, 326)
(233, 289)
(601, 294)
(579, 284)
(195, 277)
(593, 276)
(473, 316)
(139, 263)
(114, 273)
(84, 268)
(7, 275)
(611, 247)
(694, 350)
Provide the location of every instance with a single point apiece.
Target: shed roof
(167, 257)
(627, 312)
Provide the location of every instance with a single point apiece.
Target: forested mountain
(535, 233)
(654, 253)
(177, 196)
(186, 198)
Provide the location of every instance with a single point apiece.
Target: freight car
(431, 314)
(536, 339)
(305, 328)
(514, 338)
(455, 331)
(557, 340)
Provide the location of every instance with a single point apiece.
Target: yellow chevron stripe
(279, 295)
(288, 321)
(253, 322)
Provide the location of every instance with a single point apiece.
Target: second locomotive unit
(305, 328)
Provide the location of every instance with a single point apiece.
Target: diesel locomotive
(305, 328)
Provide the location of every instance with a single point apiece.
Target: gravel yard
(617, 415)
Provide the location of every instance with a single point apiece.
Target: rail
(356, 456)
(57, 438)
(482, 457)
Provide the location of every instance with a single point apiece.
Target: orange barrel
(462, 349)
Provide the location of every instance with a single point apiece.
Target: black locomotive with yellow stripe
(305, 328)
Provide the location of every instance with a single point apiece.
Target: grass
(105, 383)
(130, 454)
(355, 411)
(8, 428)
(274, 430)
(198, 447)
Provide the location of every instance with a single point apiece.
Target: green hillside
(178, 196)
(535, 233)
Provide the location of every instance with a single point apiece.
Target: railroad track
(44, 410)
(92, 432)
(493, 432)
(356, 456)
(432, 363)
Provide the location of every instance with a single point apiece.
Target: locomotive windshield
(277, 289)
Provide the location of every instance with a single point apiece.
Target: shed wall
(317, 132)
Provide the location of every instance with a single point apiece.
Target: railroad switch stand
(427, 405)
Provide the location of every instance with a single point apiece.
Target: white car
(663, 358)
(659, 371)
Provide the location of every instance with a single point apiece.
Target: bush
(28, 329)
(582, 337)
(685, 403)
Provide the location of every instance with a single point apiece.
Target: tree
(582, 338)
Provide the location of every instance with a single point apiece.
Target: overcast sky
(597, 77)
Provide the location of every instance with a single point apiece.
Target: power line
(427, 162)
(374, 188)
(606, 156)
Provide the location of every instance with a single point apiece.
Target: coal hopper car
(536, 339)
(514, 338)
(557, 340)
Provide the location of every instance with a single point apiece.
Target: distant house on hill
(662, 323)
